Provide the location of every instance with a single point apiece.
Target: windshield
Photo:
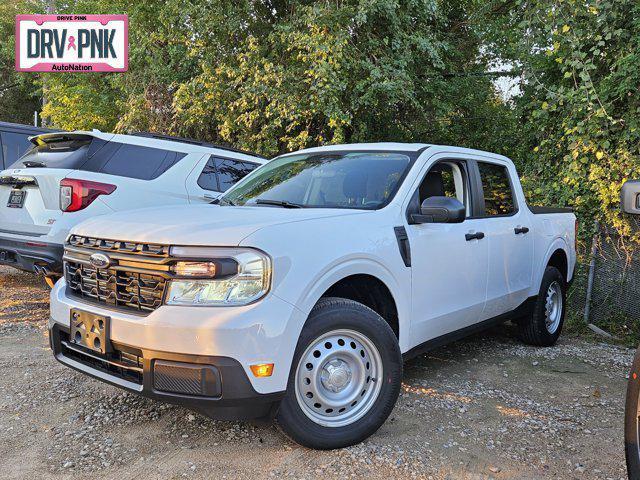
(361, 180)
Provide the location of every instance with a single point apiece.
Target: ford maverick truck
(301, 292)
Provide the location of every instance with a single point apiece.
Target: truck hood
(197, 224)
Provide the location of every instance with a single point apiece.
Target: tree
(19, 95)
(580, 104)
(275, 76)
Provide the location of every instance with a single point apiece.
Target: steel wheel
(553, 307)
(338, 378)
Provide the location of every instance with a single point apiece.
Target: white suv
(68, 177)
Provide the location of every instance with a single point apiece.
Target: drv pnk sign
(72, 43)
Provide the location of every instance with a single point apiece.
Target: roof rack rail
(192, 141)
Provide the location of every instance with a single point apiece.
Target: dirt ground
(486, 407)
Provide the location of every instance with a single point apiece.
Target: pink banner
(72, 43)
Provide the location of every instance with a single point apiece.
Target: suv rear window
(95, 155)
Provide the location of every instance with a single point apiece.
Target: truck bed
(537, 210)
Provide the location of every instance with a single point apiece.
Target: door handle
(519, 230)
(474, 236)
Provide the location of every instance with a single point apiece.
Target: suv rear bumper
(30, 255)
(224, 390)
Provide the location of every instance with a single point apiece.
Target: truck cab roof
(399, 147)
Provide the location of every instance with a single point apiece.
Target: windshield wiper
(219, 201)
(278, 203)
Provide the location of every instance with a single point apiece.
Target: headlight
(218, 276)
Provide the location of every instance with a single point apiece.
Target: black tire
(631, 421)
(533, 329)
(333, 314)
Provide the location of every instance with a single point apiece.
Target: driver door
(448, 266)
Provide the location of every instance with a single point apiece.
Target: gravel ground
(486, 407)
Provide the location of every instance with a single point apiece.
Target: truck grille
(135, 280)
(119, 246)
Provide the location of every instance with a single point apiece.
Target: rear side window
(13, 146)
(220, 174)
(87, 153)
(132, 161)
(496, 187)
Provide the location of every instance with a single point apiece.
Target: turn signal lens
(262, 369)
(195, 269)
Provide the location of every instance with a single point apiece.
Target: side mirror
(630, 197)
(440, 210)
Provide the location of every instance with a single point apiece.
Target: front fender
(346, 267)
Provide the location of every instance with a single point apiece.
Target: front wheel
(632, 421)
(345, 377)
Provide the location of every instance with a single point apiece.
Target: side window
(445, 179)
(231, 172)
(498, 196)
(14, 145)
(131, 161)
(208, 178)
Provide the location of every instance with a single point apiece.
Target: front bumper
(220, 388)
(230, 339)
(30, 255)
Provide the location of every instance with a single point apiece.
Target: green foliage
(276, 76)
(579, 108)
(19, 96)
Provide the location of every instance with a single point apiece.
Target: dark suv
(14, 141)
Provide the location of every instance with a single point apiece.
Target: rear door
(215, 175)
(510, 240)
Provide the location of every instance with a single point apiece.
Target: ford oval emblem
(99, 260)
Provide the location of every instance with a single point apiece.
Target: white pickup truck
(300, 294)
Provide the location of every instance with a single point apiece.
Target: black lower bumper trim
(233, 398)
(29, 254)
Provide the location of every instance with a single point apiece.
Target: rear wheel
(544, 325)
(632, 421)
(345, 377)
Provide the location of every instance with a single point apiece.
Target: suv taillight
(575, 240)
(78, 194)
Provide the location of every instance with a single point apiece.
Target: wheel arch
(560, 260)
(557, 255)
(369, 283)
(370, 291)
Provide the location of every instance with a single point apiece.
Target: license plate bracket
(90, 331)
(16, 198)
